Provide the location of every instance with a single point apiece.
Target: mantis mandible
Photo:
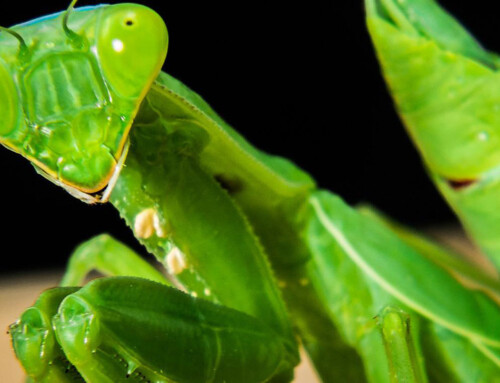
(264, 260)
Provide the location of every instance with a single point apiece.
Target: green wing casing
(68, 105)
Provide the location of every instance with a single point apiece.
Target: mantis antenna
(23, 48)
(74, 37)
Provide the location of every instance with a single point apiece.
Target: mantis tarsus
(267, 259)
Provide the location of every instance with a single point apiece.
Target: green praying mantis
(257, 259)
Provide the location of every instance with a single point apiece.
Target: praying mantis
(256, 258)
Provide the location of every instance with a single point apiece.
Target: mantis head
(70, 87)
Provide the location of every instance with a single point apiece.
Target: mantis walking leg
(268, 191)
(102, 329)
(401, 351)
(109, 257)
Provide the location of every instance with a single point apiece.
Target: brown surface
(19, 292)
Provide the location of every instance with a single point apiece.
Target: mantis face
(70, 87)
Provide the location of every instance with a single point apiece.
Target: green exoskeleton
(445, 88)
(263, 259)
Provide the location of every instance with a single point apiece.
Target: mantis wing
(362, 267)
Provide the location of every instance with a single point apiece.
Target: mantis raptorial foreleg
(33, 336)
(35, 342)
(218, 256)
(79, 326)
(99, 327)
(188, 202)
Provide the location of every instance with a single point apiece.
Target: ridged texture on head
(68, 105)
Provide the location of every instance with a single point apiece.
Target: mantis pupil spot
(129, 23)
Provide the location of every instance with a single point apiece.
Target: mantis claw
(35, 344)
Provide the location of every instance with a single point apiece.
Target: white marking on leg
(147, 223)
(144, 223)
(176, 261)
(160, 232)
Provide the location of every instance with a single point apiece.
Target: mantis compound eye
(132, 45)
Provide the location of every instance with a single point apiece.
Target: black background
(297, 79)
